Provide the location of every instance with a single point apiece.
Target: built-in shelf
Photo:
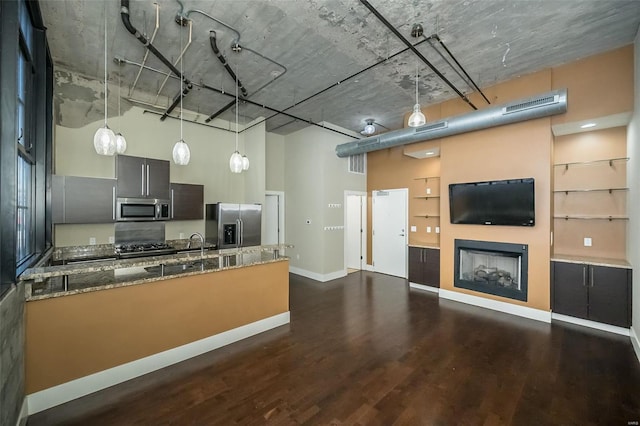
(427, 216)
(428, 196)
(587, 163)
(427, 178)
(591, 217)
(610, 190)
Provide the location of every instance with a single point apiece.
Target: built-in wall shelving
(426, 178)
(425, 209)
(593, 162)
(610, 190)
(426, 216)
(426, 197)
(591, 217)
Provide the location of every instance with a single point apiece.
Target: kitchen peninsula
(119, 319)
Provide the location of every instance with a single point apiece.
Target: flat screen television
(500, 202)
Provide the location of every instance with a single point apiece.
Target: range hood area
(544, 105)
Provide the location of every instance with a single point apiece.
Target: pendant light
(416, 118)
(104, 140)
(181, 152)
(235, 162)
(121, 142)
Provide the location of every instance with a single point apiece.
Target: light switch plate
(111, 239)
(437, 229)
(428, 191)
(587, 241)
(428, 229)
(92, 241)
(414, 229)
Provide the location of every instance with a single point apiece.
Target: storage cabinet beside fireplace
(592, 292)
(424, 266)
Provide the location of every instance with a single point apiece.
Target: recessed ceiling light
(429, 153)
(588, 125)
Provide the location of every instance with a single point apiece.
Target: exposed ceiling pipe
(223, 61)
(437, 37)
(176, 61)
(176, 100)
(416, 51)
(146, 52)
(543, 105)
(235, 44)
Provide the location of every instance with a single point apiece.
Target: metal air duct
(544, 105)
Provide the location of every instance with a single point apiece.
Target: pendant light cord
(236, 107)
(417, 84)
(181, 87)
(105, 64)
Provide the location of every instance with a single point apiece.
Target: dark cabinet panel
(609, 295)
(187, 201)
(83, 200)
(140, 177)
(570, 291)
(596, 293)
(424, 266)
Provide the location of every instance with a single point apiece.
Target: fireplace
(493, 268)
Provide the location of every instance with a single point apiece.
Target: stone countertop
(596, 261)
(50, 281)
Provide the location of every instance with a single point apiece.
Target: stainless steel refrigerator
(233, 225)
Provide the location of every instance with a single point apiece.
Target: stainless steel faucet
(201, 242)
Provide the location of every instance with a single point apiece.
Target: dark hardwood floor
(367, 350)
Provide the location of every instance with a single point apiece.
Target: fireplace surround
(490, 267)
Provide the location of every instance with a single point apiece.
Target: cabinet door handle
(113, 201)
(142, 179)
(591, 275)
(172, 204)
(148, 180)
(584, 276)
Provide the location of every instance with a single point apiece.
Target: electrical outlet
(111, 240)
(428, 191)
(92, 241)
(414, 229)
(428, 229)
(587, 241)
(437, 229)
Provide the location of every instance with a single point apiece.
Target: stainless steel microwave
(142, 209)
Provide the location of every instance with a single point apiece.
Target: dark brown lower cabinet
(596, 293)
(424, 266)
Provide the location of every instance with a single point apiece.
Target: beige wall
(597, 86)
(275, 162)
(147, 136)
(315, 177)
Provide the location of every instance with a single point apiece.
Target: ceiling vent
(543, 105)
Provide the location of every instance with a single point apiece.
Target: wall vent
(434, 126)
(533, 103)
(357, 163)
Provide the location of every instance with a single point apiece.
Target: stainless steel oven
(142, 209)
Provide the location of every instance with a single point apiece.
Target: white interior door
(271, 220)
(389, 231)
(354, 231)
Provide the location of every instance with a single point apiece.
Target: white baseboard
(24, 413)
(591, 324)
(316, 276)
(635, 341)
(74, 389)
(367, 267)
(424, 287)
(507, 308)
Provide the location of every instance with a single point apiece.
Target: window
(26, 78)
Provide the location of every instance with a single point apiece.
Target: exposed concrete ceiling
(322, 42)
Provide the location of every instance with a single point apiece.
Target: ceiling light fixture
(416, 118)
(104, 140)
(121, 142)
(235, 162)
(369, 128)
(181, 152)
(588, 125)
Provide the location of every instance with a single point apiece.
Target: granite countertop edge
(29, 297)
(595, 261)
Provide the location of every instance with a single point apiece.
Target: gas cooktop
(143, 249)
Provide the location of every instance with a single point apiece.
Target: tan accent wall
(74, 336)
(608, 237)
(597, 86)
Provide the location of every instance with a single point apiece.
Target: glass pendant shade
(235, 162)
(104, 141)
(181, 153)
(416, 118)
(121, 144)
(245, 163)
